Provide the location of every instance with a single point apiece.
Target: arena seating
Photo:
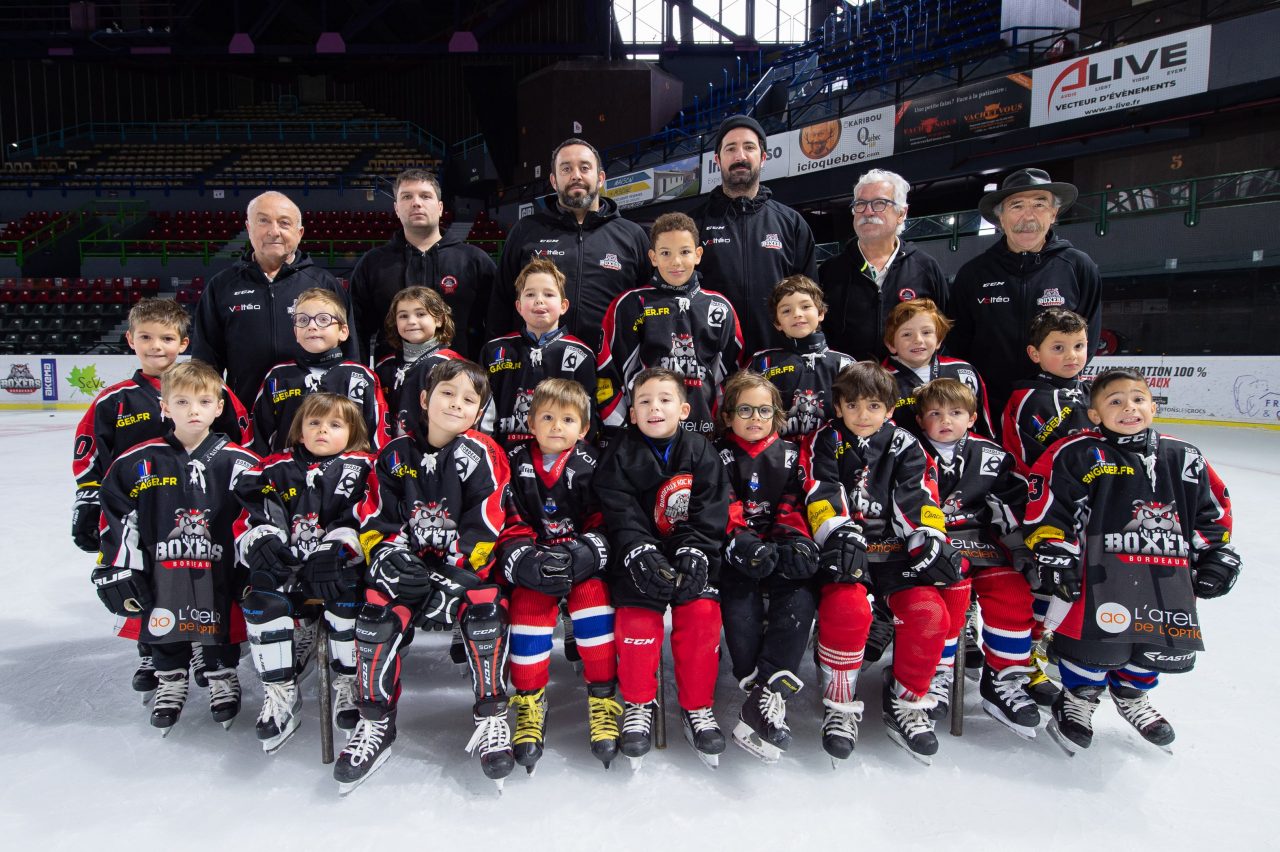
(65, 315)
(487, 234)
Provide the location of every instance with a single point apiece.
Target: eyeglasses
(877, 205)
(321, 320)
(764, 412)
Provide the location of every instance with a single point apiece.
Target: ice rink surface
(83, 769)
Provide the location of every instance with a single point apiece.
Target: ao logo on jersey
(1112, 617)
(161, 621)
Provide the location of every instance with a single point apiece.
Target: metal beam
(264, 20)
(362, 21)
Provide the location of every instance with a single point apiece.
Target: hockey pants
(533, 620)
(695, 651)
(766, 625)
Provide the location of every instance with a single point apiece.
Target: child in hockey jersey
(1129, 528)
(982, 500)
(517, 362)
(871, 497)
(674, 324)
(299, 536)
(168, 553)
(804, 368)
(320, 326)
(662, 491)
(428, 526)
(419, 327)
(126, 414)
(766, 593)
(554, 548)
(913, 333)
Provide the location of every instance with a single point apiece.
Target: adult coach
(876, 270)
(750, 241)
(600, 253)
(996, 295)
(419, 255)
(244, 320)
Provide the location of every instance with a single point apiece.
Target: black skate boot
(1043, 691)
(880, 636)
(345, 712)
(368, 748)
(1004, 697)
(940, 691)
(973, 656)
(1135, 706)
(279, 717)
(144, 678)
(603, 711)
(171, 695)
(840, 728)
(224, 696)
(199, 672)
(907, 722)
(704, 734)
(762, 723)
(637, 731)
(492, 740)
(570, 642)
(531, 727)
(1072, 723)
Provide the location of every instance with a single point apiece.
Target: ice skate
(1071, 725)
(603, 711)
(907, 722)
(144, 679)
(570, 643)
(492, 741)
(1004, 697)
(704, 734)
(840, 729)
(224, 696)
(1135, 706)
(973, 656)
(368, 748)
(345, 712)
(305, 632)
(278, 718)
(531, 727)
(199, 672)
(171, 695)
(1043, 691)
(637, 731)
(880, 636)
(762, 723)
(940, 691)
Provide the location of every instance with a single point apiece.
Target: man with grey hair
(1029, 268)
(244, 320)
(876, 270)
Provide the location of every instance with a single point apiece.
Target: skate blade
(164, 732)
(711, 761)
(499, 782)
(751, 742)
(271, 745)
(926, 759)
(1021, 730)
(147, 696)
(226, 726)
(345, 787)
(636, 763)
(529, 770)
(1065, 744)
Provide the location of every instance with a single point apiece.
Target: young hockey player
(429, 524)
(766, 593)
(298, 535)
(982, 500)
(168, 554)
(661, 489)
(419, 327)
(553, 548)
(320, 326)
(870, 481)
(674, 324)
(1129, 527)
(126, 414)
(804, 368)
(517, 362)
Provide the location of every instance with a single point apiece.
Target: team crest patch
(990, 464)
(1051, 298)
(672, 504)
(431, 526)
(448, 285)
(572, 359)
(771, 241)
(305, 533)
(906, 294)
(717, 314)
(610, 261)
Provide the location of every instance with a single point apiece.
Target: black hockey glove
(1215, 573)
(123, 591)
(324, 572)
(271, 563)
(398, 573)
(937, 563)
(844, 555)
(751, 557)
(797, 558)
(448, 587)
(588, 556)
(1057, 570)
(692, 569)
(650, 572)
(85, 517)
(538, 569)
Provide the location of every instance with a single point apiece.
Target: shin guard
(484, 632)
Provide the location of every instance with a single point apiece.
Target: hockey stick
(660, 723)
(957, 678)
(326, 697)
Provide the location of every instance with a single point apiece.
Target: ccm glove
(400, 574)
(1215, 573)
(844, 555)
(540, 569)
(85, 515)
(123, 591)
(324, 572)
(652, 575)
(271, 563)
(692, 568)
(448, 587)
(1058, 570)
(937, 563)
(750, 556)
(797, 558)
(588, 556)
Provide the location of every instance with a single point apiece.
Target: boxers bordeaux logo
(1051, 299)
(448, 285)
(1152, 537)
(610, 261)
(431, 525)
(672, 504)
(771, 241)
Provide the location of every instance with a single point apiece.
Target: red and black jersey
(1142, 510)
(442, 503)
(803, 371)
(128, 413)
(169, 513)
(551, 499)
(766, 486)
(688, 330)
(941, 367)
(1043, 410)
(287, 384)
(403, 382)
(981, 496)
(516, 363)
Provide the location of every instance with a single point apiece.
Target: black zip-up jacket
(858, 305)
(996, 295)
(604, 256)
(244, 322)
(462, 274)
(749, 245)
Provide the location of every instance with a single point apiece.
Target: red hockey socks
(695, 651)
(639, 634)
(920, 630)
(1005, 599)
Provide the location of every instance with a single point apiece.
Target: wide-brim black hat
(1025, 180)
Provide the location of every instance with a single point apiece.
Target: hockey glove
(844, 555)
(692, 569)
(588, 556)
(1215, 573)
(797, 558)
(123, 591)
(538, 569)
(448, 587)
(1057, 570)
(650, 572)
(398, 573)
(271, 563)
(751, 557)
(936, 563)
(323, 574)
(85, 517)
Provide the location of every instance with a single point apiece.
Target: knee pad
(260, 607)
(484, 632)
(378, 635)
(271, 645)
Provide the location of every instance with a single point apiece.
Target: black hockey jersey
(403, 382)
(803, 371)
(287, 384)
(552, 505)
(982, 498)
(766, 486)
(515, 364)
(1043, 410)
(941, 367)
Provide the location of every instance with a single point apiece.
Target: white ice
(83, 769)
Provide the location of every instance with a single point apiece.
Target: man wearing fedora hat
(996, 295)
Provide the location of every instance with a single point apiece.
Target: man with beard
(876, 271)
(600, 253)
(750, 241)
(996, 295)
